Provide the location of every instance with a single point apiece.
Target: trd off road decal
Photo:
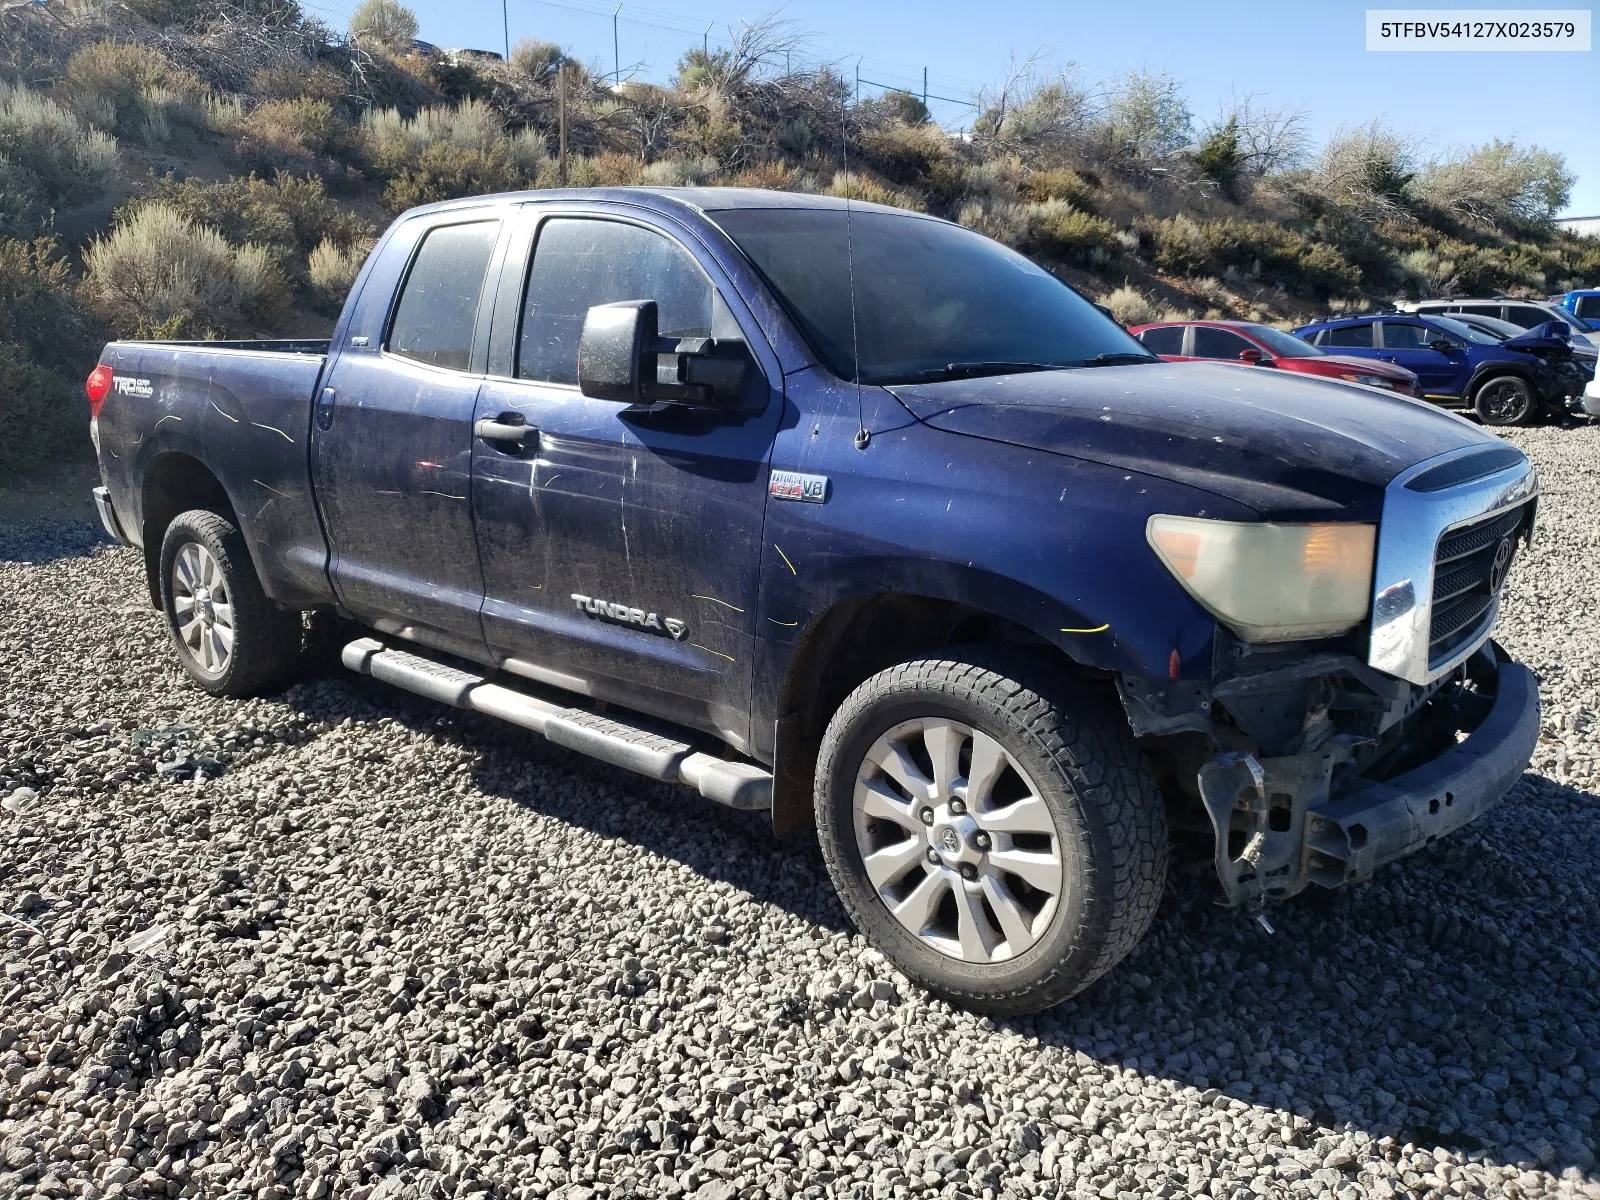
(622, 614)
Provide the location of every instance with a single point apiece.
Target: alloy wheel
(957, 841)
(202, 608)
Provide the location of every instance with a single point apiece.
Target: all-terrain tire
(1083, 762)
(265, 641)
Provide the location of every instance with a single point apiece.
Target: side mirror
(612, 347)
(1252, 356)
(1443, 346)
(622, 357)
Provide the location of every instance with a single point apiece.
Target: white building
(1582, 226)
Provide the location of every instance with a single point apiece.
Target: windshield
(1284, 345)
(933, 300)
(1465, 332)
(1494, 325)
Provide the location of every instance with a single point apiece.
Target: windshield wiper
(1120, 356)
(963, 370)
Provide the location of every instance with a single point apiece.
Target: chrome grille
(1463, 567)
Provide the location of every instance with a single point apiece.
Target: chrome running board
(740, 785)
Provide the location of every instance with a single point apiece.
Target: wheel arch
(849, 642)
(174, 482)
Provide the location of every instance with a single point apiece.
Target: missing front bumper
(1277, 831)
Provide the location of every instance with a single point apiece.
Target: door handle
(325, 408)
(504, 429)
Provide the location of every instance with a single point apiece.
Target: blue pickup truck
(856, 517)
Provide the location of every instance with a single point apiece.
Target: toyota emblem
(951, 841)
(1501, 564)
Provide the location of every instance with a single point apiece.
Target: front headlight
(1369, 380)
(1271, 583)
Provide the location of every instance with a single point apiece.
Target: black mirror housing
(612, 349)
(622, 357)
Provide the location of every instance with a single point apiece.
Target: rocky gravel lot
(355, 945)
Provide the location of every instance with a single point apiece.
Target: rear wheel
(230, 637)
(1000, 839)
(1504, 400)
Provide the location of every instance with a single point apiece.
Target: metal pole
(505, 18)
(616, 48)
(561, 107)
(705, 42)
(924, 87)
(858, 81)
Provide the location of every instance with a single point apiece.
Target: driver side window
(579, 262)
(1397, 336)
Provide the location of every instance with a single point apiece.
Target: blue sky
(1310, 56)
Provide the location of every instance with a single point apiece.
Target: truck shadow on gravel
(1452, 1002)
(48, 541)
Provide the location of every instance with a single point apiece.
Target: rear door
(1410, 345)
(1354, 339)
(1220, 344)
(620, 543)
(394, 435)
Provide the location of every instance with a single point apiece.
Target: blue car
(1503, 382)
(1585, 305)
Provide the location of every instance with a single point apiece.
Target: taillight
(97, 387)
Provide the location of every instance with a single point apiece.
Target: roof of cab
(669, 199)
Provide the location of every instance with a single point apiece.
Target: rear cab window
(437, 310)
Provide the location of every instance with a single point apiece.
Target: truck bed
(242, 410)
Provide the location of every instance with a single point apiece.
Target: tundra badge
(621, 614)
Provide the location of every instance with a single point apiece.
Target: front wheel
(230, 637)
(1504, 400)
(1000, 839)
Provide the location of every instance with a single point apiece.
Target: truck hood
(1293, 447)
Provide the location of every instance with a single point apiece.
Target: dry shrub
(1003, 220)
(608, 170)
(774, 175)
(679, 172)
(855, 186)
(906, 154)
(158, 272)
(133, 91)
(295, 135)
(299, 81)
(383, 22)
(47, 158)
(1060, 183)
(333, 268)
(1129, 306)
(535, 60)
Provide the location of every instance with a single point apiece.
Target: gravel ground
(365, 947)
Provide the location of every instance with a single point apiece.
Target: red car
(1264, 346)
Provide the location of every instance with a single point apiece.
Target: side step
(738, 785)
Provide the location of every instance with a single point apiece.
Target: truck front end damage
(1301, 764)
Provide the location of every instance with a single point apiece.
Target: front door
(394, 444)
(620, 543)
(1411, 346)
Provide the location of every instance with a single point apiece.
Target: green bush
(288, 213)
(48, 343)
(443, 153)
(1057, 230)
(159, 274)
(385, 22)
(133, 91)
(47, 159)
(1183, 246)
(301, 135)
